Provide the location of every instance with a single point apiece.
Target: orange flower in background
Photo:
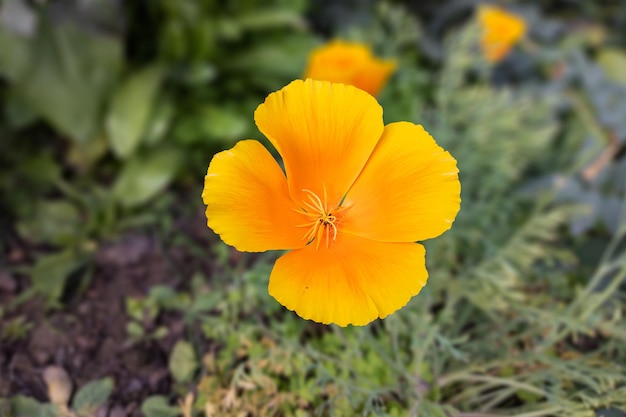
(500, 31)
(353, 199)
(349, 63)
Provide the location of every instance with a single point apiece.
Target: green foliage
(27, 407)
(500, 329)
(183, 362)
(394, 34)
(130, 110)
(143, 313)
(223, 60)
(157, 406)
(91, 396)
(611, 60)
(50, 273)
(56, 222)
(146, 175)
(210, 122)
(62, 73)
(85, 404)
(196, 72)
(511, 322)
(15, 329)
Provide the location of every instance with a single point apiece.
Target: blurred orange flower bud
(500, 32)
(349, 63)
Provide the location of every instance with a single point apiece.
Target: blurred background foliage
(110, 112)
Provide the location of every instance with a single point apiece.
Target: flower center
(321, 222)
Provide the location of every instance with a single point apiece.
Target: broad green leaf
(613, 62)
(265, 19)
(183, 362)
(16, 53)
(56, 222)
(131, 108)
(271, 65)
(286, 58)
(157, 406)
(211, 123)
(63, 73)
(205, 301)
(50, 273)
(164, 297)
(160, 121)
(223, 124)
(145, 175)
(260, 20)
(41, 168)
(198, 75)
(29, 407)
(92, 396)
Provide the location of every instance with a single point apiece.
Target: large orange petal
(408, 191)
(247, 200)
(324, 132)
(354, 281)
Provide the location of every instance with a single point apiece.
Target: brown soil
(87, 337)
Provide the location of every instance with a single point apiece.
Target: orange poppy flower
(500, 32)
(354, 197)
(349, 63)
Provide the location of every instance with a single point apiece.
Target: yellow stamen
(321, 219)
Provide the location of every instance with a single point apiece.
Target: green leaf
(50, 273)
(135, 330)
(613, 62)
(157, 406)
(145, 175)
(56, 222)
(164, 297)
(41, 169)
(64, 73)
(266, 19)
(131, 108)
(160, 121)
(16, 54)
(92, 396)
(29, 407)
(223, 124)
(528, 397)
(198, 74)
(206, 301)
(286, 58)
(211, 123)
(183, 362)
(159, 332)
